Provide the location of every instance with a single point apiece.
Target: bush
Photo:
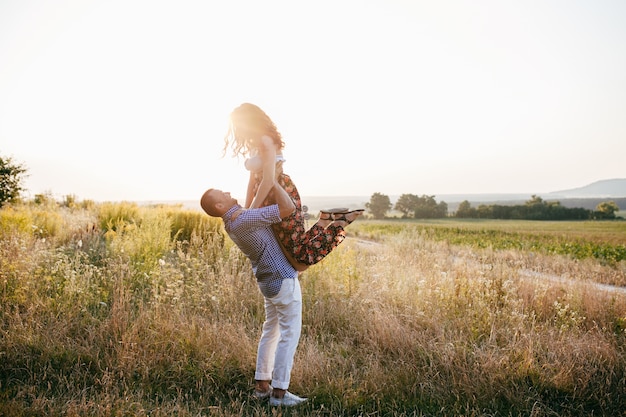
(184, 223)
(14, 221)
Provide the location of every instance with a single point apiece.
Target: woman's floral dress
(305, 246)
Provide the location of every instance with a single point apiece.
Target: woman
(253, 134)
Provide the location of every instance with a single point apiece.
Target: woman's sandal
(342, 216)
(328, 213)
(337, 210)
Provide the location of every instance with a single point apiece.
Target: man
(278, 282)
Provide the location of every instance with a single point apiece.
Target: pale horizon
(128, 100)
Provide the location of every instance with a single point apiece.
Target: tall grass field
(115, 309)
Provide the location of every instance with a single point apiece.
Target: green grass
(122, 310)
(601, 240)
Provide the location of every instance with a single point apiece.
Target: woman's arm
(250, 190)
(268, 159)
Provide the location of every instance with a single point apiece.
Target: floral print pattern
(305, 246)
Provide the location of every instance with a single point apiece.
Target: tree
(442, 209)
(465, 210)
(427, 208)
(11, 176)
(378, 205)
(534, 200)
(406, 204)
(606, 210)
(536, 209)
(484, 211)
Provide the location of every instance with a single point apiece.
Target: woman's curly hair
(248, 123)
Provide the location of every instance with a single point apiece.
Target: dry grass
(138, 322)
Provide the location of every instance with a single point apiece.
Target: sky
(128, 100)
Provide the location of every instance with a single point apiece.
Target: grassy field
(119, 310)
(604, 241)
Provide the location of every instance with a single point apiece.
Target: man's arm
(285, 203)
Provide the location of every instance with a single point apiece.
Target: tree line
(426, 207)
(12, 175)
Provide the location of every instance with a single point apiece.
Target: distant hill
(613, 188)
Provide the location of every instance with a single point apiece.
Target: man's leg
(266, 350)
(288, 303)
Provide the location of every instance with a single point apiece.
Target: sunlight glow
(128, 100)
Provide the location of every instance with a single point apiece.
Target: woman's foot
(325, 219)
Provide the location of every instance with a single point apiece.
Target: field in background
(317, 203)
(118, 309)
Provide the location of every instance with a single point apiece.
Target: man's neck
(236, 214)
(233, 212)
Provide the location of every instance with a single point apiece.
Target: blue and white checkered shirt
(252, 233)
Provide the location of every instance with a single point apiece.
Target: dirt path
(559, 279)
(524, 273)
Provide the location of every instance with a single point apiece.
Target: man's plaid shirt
(252, 233)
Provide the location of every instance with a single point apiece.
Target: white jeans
(280, 336)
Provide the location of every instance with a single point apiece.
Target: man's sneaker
(289, 400)
(261, 395)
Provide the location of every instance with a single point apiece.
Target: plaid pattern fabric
(252, 233)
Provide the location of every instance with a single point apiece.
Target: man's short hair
(208, 204)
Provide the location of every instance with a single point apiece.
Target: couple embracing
(270, 230)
